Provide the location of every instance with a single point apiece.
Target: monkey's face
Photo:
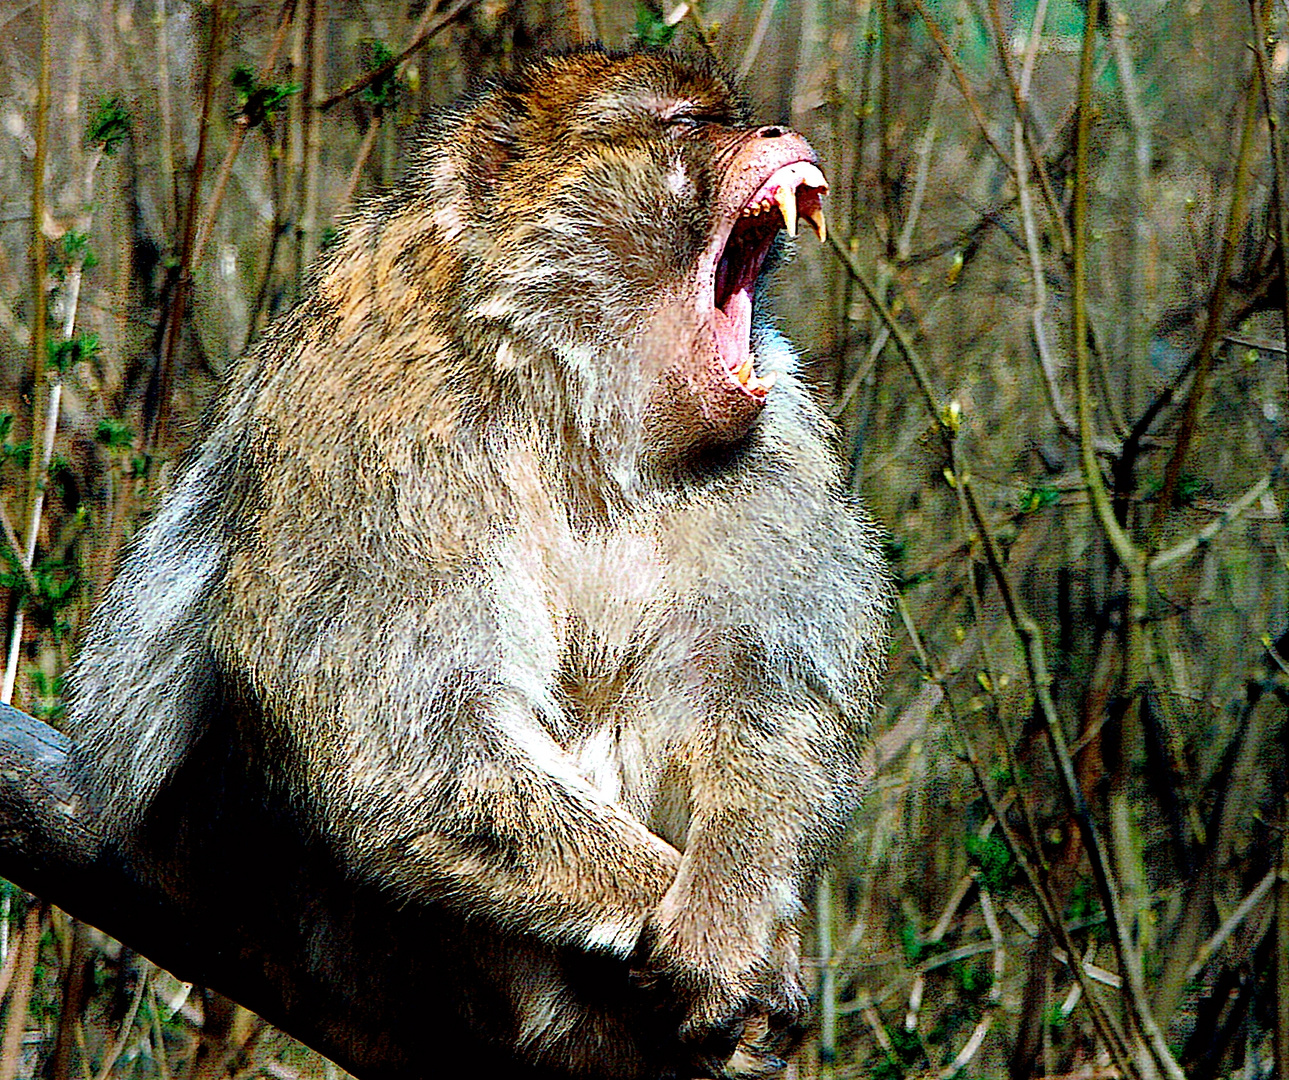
(624, 214)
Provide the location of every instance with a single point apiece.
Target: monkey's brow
(657, 102)
(682, 107)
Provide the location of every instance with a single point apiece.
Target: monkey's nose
(770, 132)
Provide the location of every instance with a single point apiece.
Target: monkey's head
(616, 214)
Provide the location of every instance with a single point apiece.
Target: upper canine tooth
(816, 219)
(784, 184)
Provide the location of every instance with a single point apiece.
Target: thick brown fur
(535, 625)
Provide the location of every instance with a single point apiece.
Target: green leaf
(67, 354)
(384, 92)
(651, 29)
(994, 861)
(1037, 498)
(110, 124)
(114, 433)
(74, 250)
(258, 101)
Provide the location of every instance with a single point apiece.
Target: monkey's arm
(508, 832)
(776, 772)
(796, 606)
(423, 737)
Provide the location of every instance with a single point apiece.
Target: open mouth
(792, 193)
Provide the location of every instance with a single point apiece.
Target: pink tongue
(733, 326)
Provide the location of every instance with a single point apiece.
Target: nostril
(770, 132)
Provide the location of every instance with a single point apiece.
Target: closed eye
(692, 120)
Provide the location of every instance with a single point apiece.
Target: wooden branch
(226, 886)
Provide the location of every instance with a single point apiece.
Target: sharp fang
(786, 196)
(816, 219)
(768, 379)
(744, 371)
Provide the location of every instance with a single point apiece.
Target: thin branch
(11, 537)
(1035, 658)
(911, 355)
(1212, 327)
(1205, 952)
(307, 229)
(827, 978)
(1123, 546)
(1228, 515)
(39, 342)
(758, 36)
(1024, 145)
(1038, 313)
(1036, 877)
(179, 283)
(969, 95)
(925, 146)
(1261, 31)
(431, 23)
(39, 268)
(240, 127)
(169, 188)
(127, 1025)
(969, 1048)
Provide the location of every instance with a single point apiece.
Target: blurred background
(1050, 322)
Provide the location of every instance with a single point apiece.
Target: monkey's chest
(628, 679)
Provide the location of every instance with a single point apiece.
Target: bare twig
(23, 976)
(1213, 325)
(240, 127)
(39, 341)
(167, 153)
(1228, 515)
(758, 37)
(39, 270)
(1023, 142)
(963, 1058)
(1031, 642)
(307, 225)
(827, 978)
(1036, 877)
(179, 283)
(1205, 952)
(432, 21)
(969, 95)
(1261, 29)
(11, 537)
(908, 350)
(127, 1025)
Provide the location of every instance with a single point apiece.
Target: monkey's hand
(739, 1016)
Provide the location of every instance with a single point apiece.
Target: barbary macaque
(517, 557)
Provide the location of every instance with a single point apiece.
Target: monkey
(518, 557)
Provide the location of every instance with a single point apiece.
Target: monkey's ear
(493, 141)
